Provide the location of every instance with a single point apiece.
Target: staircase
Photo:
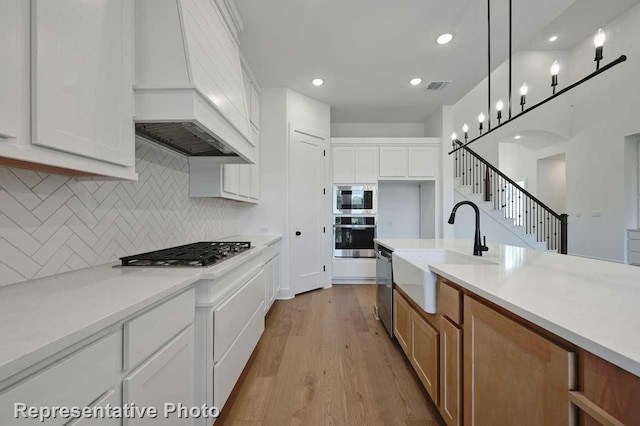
(517, 210)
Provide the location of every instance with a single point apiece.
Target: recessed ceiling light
(444, 38)
(553, 38)
(317, 82)
(415, 81)
(516, 137)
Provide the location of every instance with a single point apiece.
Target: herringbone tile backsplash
(51, 224)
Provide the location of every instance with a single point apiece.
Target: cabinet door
(366, 168)
(450, 371)
(82, 77)
(268, 284)
(393, 162)
(425, 353)
(512, 375)
(244, 188)
(276, 277)
(166, 377)
(344, 165)
(402, 321)
(9, 64)
(231, 178)
(422, 162)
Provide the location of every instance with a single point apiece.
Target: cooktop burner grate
(196, 254)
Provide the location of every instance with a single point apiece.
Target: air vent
(437, 85)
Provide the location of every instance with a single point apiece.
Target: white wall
(400, 130)
(433, 125)
(519, 163)
(398, 209)
(551, 182)
(280, 107)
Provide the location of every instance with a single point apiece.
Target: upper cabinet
(9, 68)
(367, 160)
(393, 162)
(355, 164)
(82, 57)
(66, 100)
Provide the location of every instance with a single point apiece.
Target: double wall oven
(354, 228)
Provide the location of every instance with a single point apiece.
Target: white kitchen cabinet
(366, 165)
(9, 68)
(344, 165)
(234, 313)
(167, 376)
(272, 286)
(244, 187)
(77, 380)
(393, 162)
(422, 162)
(82, 77)
(209, 178)
(112, 398)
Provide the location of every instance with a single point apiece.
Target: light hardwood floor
(325, 360)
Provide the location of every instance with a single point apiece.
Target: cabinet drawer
(75, 381)
(231, 317)
(166, 377)
(150, 331)
(449, 302)
(634, 245)
(112, 398)
(228, 370)
(634, 235)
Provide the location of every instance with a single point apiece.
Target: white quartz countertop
(591, 303)
(41, 317)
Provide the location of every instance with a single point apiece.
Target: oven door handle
(355, 226)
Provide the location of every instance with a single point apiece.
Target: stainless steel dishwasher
(384, 279)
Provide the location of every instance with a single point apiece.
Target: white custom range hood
(189, 92)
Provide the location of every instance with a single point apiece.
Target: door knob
(298, 233)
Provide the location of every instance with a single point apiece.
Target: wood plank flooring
(325, 360)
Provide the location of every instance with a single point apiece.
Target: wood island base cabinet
(483, 365)
(512, 375)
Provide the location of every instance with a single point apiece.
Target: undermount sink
(411, 272)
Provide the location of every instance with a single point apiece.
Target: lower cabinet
(402, 321)
(513, 375)
(450, 372)
(166, 377)
(77, 380)
(272, 285)
(424, 353)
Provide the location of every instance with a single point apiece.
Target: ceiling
(368, 50)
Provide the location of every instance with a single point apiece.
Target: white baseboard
(343, 281)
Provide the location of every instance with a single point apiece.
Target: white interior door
(307, 208)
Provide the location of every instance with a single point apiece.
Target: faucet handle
(484, 244)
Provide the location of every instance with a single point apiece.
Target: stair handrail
(562, 217)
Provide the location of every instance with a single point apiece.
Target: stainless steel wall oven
(353, 236)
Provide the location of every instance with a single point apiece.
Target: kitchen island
(586, 308)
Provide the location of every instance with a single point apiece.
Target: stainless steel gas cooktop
(196, 254)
